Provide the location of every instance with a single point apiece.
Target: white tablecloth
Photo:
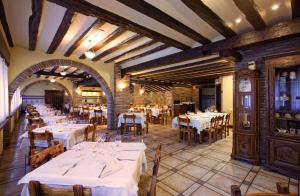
(68, 134)
(119, 177)
(199, 121)
(92, 111)
(139, 119)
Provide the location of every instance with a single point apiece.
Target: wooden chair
(211, 131)
(184, 128)
(98, 117)
(147, 184)
(282, 190)
(46, 136)
(163, 117)
(90, 131)
(149, 114)
(227, 125)
(45, 155)
(129, 122)
(37, 189)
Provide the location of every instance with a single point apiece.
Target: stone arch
(49, 63)
(44, 80)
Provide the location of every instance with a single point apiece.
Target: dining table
(66, 133)
(199, 120)
(139, 119)
(107, 168)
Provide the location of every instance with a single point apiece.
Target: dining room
(150, 98)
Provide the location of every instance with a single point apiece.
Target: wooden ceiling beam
(145, 81)
(152, 51)
(206, 14)
(295, 8)
(111, 37)
(89, 31)
(156, 14)
(177, 58)
(57, 74)
(278, 32)
(90, 9)
(124, 54)
(61, 31)
(248, 7)
(119, 46)
(204, 78)
(34, 22)
(5, 25)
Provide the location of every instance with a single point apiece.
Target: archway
(49, 63)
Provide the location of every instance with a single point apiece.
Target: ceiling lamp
(52, 80)
(63, 73)
(90, 53)
(275, 7)
(238, 20)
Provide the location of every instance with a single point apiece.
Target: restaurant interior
(150, 98)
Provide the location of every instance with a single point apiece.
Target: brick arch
(49, 63)
(44, 80)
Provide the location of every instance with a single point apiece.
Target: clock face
(245, 85)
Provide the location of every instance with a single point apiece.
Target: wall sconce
(142, 91)
(293, 75)
(121, 86)
(103, 93)
(78, 91)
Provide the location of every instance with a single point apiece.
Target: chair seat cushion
(144, 185)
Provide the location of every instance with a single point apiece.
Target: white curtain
(4, 108)
(16, 100)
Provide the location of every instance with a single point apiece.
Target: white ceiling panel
(49, 24)
(131, 46)
(106, 29)
(79, 24)
(141, 51)
(229, 12)
(17, 14)
(141, 19)
(182, 13)
(272, 17)
(150, 57)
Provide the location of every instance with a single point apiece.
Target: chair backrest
(98, 113)
(228, 119)
(40, 158)
(149, 111)
(152, 191)
(185, 121)
(90, 131)
(46, 136)
(36, 189)
(221, 120)
(129, 118)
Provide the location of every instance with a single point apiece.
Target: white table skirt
(67, 134)
(139, 119)
(118, 177)
(199, 121)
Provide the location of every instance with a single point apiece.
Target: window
(4, 111)
(16, 100)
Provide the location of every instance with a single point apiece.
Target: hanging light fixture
(52, 80)
(90, 53)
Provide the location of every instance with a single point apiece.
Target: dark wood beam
(111, 37)
(295, 8)
(120, 45)
(177, 57)
(155, 13)
(206, 14)
(88, 81)
(74, 71)
(124, 54)
(145, 81)
(61, 31)
(5, 25)
(90, 9)
(34, 22)
(89, 31)
(186, 66)
(248, 7)
(154, 50)
(278, 32)
(54, 68)
(203, 78)
(57, 74)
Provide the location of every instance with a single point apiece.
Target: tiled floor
(204, 170)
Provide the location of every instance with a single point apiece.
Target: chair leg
(189, 138)
(179, 135)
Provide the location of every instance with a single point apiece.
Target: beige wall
(227, 95)
(22, 58)
(35, 90)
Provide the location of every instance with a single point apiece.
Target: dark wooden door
(55, 98)
(218, 97)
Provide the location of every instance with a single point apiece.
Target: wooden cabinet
(246, 132)
(283, 138)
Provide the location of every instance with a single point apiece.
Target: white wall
(227, 95)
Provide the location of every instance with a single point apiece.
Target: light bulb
(89, 54)
(52, 80)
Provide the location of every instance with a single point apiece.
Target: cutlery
(102, 171)
(125, 159)
(74, 165)
(130, 150)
